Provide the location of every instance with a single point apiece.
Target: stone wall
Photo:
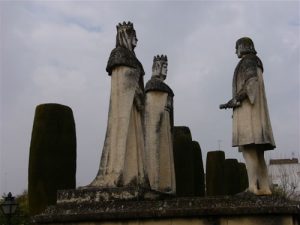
(148, 207)
(251, 220)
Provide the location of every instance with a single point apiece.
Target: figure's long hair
(246, 46)
(124, 38)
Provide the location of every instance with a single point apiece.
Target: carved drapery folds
(158, 129)
(123, 159)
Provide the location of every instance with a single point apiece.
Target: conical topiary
(199, 180)
(243, 177)
(52, 160)
(215, 161)
(183, 161)
(232, 177)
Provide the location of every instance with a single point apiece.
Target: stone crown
(160, 58)
(125, 26)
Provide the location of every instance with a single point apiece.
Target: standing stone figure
(122, 160)
(158, 128)
(252, 131)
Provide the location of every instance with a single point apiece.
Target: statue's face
(238, 51)
(164, 70)
(134, 40)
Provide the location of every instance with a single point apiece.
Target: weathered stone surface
(157, 85)
(232, 220)
(158, 129)
(95, 195)
(252, 130)
(122, 161)
(233, 208)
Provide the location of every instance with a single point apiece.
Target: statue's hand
(233, 103)
(223, 106)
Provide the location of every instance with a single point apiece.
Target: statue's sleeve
(123, 57)
(250, 86)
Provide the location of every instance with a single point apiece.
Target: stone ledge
(135, 209)
(95, 195)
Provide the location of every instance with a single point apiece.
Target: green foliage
(21, 215)
(199, 178)
(188, 163)
(215, 162)
(183, 161)
(52, 161)
(279, 191)
(244, 184)
(231, 177)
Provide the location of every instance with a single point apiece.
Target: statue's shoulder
(251, 60)
(121, 56)
(158, 85)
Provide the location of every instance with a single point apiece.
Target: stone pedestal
(131, 206)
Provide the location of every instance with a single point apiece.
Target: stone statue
(123, 158)
(158, 129)
(252, 131)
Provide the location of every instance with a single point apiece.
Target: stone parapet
(92, 195)
(162, 209)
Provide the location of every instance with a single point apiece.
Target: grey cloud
(51, 53)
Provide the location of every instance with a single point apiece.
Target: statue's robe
(123, 157)
(251, 121)
(158, 136)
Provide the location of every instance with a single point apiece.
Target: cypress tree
(52, 159)
(232, 177)
(199, 170)
(243, 177)
(215, 161)
(183, 161)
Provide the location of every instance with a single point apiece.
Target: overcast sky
(57, 52)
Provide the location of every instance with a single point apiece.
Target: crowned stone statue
(158, 129)
(252, 131)
(123, 159)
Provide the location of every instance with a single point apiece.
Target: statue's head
(160, 67)
(126, 36)
(244, 46)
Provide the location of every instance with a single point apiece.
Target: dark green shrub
(199, 180)
(232, 177)
(215, 161)
(183, 161)
(52, 159)
(243, 177)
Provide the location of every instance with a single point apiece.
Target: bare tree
(286, 181)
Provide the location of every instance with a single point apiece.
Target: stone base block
(242, 220)
(130, 206)
(94, 195)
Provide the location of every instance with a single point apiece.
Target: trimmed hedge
(188, 164)
(215, 162)
(52, 159)
(232, 177)
(183, 161)
(244, 184)
(199, 179)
